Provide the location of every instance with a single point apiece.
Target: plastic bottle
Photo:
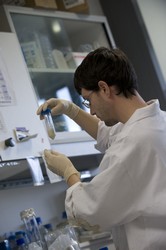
(21, 244)
(70, 232)
(22, 234)
(19, 234)
(32, 231)
(50, 234)
(63, 222)
(12, 242)
(49, 123)
(4, 245)
(65, 240)
(41, 227)
(48, 227)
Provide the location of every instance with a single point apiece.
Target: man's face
(100, 105)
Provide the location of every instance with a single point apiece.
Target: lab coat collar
(141, 113)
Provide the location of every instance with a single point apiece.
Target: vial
(49, 123)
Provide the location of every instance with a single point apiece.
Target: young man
(128, 196)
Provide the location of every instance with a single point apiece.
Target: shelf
(45, 70)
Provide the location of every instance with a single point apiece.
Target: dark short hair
(109, 65)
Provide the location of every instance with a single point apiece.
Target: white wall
(47, 200)
(154, 16)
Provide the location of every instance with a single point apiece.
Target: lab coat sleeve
(123, 190)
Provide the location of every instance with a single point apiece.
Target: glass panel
(16, 173)
(59, 85)
(53, 47)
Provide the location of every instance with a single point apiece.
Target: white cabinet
(53, 44)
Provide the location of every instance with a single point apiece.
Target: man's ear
(104, 87)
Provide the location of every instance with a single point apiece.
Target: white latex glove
(59, 164)
(59, 107)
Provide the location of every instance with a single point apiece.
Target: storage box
(78, 6)
(50, 4)
(74, 59)
(12, 2)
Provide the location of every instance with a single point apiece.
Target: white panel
(154, 17)
(23, 112)
(76, 148)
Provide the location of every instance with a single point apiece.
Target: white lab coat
(128, 196)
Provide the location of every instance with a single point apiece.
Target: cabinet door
(53, 45)
(18, 105)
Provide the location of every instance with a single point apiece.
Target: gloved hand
(58, 107)
(59, 164)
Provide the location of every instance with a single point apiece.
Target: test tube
(49, 123)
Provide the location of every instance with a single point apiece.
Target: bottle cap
(39, 220)
(64, 215)
(19, 233)
(46, 112)
(20, 241)
(12, 237)
(48, 226)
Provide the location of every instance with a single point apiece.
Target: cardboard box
(12, 2)
(78, 6)
(49, 4)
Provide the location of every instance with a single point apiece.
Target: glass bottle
(32, 229)
(41, 230)
(49, 123)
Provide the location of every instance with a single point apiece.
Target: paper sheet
(6, 91)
